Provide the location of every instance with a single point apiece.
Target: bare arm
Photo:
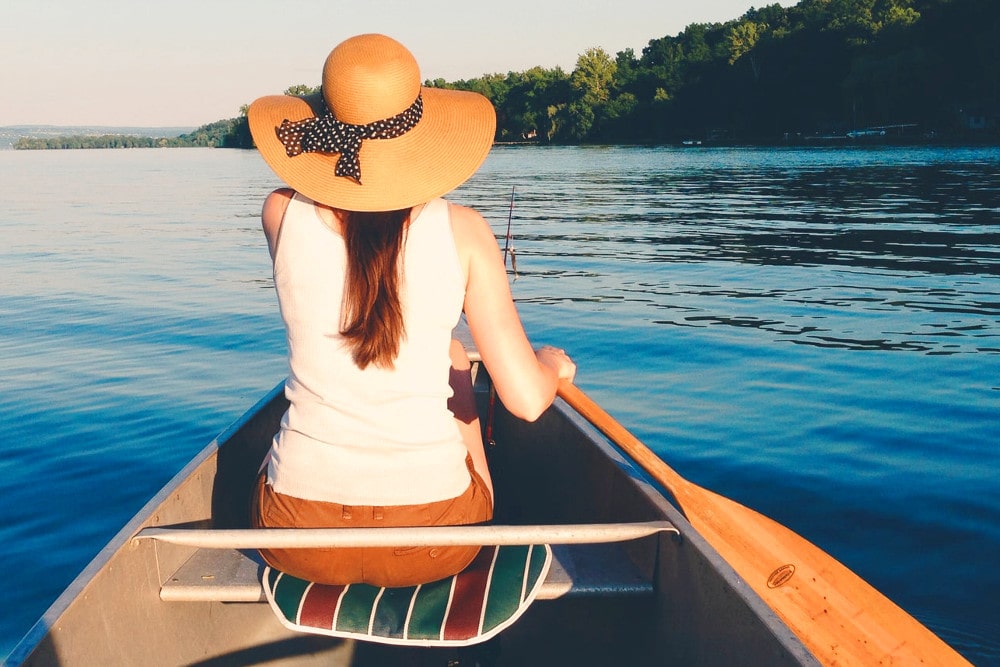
(525, 380)
(271, 215)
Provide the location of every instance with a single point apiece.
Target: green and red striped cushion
(470, 607)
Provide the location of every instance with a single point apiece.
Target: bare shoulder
(470, 228)
(276, 203)
(464, 215)
(272, 213)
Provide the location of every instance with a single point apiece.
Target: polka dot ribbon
(326, 134)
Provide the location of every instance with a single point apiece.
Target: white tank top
(374, 436)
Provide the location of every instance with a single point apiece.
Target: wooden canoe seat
(587, 560)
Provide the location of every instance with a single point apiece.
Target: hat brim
(443, 150)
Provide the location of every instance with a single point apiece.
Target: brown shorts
(380, 566)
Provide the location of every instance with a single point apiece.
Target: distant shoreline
(11, 133)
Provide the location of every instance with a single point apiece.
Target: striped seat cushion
(467, 608)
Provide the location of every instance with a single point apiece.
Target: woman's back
(373, 435)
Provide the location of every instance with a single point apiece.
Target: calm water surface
(813, 333)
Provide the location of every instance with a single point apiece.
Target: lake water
(814, 333)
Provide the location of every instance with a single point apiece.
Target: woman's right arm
(525, 380)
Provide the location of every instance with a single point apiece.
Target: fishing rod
(508, 249)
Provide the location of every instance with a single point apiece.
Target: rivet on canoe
(781, 576)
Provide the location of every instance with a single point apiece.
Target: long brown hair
(372, 310)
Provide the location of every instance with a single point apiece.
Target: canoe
(631, 582)
(663, 599)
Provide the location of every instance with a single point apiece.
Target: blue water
(814, 333)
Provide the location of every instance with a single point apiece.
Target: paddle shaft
(838, 616)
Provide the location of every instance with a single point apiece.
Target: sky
(185, 63)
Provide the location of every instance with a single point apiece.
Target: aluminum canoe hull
(558, 469)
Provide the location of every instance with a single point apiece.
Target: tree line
(915, 68)
(231, 133)
(820, 68)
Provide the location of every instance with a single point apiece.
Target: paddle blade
(840, 617)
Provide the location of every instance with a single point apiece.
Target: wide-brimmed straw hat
(375, 139)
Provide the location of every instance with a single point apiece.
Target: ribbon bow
(326, 134)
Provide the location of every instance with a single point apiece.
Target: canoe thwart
(423, 536)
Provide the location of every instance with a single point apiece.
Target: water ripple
(815, 333)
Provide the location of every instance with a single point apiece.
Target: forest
(917, 69)
(822, 70)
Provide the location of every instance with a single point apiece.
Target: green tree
(592, 81)
(526, 106)
(573, 122)
(742, 38)
(594, 75)
(302, 90)
(856, 18)
(896, 13)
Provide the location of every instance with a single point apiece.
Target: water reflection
(907, 244)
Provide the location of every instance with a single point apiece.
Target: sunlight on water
(815, 333)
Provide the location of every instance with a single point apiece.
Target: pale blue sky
(189, 62)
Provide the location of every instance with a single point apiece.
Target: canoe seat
(232, 575)
(467, 608)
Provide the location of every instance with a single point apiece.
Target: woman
(372, 270)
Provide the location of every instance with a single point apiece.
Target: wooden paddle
(841, 618)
